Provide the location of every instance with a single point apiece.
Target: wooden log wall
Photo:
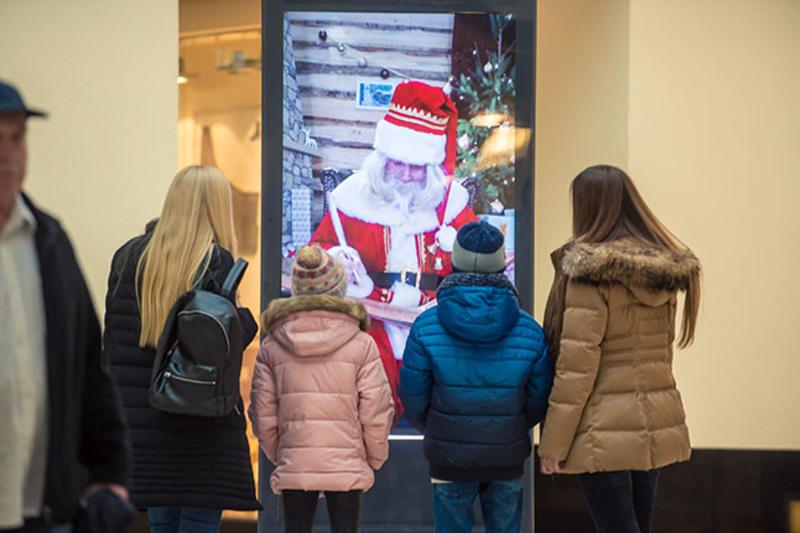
(419, 45)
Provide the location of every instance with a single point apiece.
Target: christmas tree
(489, 92)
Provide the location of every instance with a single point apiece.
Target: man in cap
(61, 411)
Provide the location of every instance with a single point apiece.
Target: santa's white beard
(404, 197)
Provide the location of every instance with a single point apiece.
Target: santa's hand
(405, 295)
(359, 284)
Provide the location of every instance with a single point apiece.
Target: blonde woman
(185, 469)
(615, 415)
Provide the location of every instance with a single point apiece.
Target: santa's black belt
(422, 281)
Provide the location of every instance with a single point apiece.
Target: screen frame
(273, 12)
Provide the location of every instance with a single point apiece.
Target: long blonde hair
(197, 214)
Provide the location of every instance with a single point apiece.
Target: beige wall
(581, 110)
(105, 70)
(707, 121)
(714, 129)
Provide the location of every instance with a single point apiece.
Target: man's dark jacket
(86, 424)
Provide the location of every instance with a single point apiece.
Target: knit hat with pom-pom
(315, 272)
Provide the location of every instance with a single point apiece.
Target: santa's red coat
(369, 227)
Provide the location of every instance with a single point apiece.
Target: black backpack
(199, 354)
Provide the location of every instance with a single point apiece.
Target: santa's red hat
(420, 127)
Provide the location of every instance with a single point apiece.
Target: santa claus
(393, 223)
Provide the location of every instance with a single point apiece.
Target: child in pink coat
(321, 404)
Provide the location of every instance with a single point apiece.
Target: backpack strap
(233, 279)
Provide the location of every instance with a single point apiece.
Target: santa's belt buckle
(404, 277)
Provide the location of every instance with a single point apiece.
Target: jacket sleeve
(583, 330)
(263, 410)
(104, 448)
(537, 388)
(416, 381)
(325, 234)
(375, 406)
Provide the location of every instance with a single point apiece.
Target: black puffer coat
(180, 461)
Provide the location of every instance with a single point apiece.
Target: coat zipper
(170, 375)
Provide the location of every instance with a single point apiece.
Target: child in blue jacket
(475, 379)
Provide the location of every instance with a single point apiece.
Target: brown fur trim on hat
(631, 263)
(283, 307)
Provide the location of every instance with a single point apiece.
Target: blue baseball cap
(11, 102)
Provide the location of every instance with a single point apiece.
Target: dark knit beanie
(479, 247)
(315, 272)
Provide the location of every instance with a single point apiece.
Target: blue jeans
(184, 520)
(501, 505)
(620, 502)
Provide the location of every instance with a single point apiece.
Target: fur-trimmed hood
(284, 307)
(310, 326)
(630, 263)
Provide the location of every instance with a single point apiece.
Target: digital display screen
(398, 129)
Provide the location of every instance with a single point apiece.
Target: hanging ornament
(341, 47)
(464, 142)
(385, 73)
(488, 68)
(323, 35)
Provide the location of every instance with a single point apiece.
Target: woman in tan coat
(615, 415)
(321, 404)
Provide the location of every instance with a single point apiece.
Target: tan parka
(614, 404)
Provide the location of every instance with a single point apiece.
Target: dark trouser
(501, 505)
(344, 510)
(620, 502)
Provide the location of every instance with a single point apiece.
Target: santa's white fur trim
(446, 236)
(355, 199)
(409, 146)
(404, 295)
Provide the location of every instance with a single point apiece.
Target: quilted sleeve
(263, 410)
(537, 388)
(375, 407)
(583, 330)
(416, 381)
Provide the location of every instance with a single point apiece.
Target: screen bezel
(273, 12)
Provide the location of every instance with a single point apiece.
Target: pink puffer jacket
(321, 405)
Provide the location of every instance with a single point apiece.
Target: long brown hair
(606, 206)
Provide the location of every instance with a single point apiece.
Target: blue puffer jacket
(475, 379)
